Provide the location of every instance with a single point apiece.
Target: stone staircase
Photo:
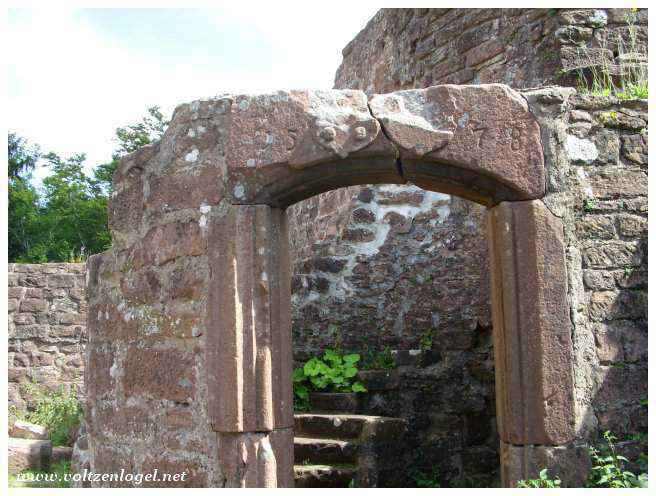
(342, 450)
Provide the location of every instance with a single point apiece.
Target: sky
(77, 75)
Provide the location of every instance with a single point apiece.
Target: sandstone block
(33, 305)
(28, 430)
(248, 326)
(632, 225)
(570, 464)
(532, 338)
(170, 373)
(600, 227)
(248, 460)
(453, 126)
(61, 280)
(484, 51)
(28, 454)
(612, 254)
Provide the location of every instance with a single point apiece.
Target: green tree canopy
(66, 220)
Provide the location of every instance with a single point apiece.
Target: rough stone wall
(606, 228)
(598, 186)
(146, 394)
(46, 328)
(523, 48)
(387, 266)
(599, 189)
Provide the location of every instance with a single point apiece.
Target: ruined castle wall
(46, 328)
(523, 48)
(394, 266)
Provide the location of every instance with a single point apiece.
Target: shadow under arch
(281, 187)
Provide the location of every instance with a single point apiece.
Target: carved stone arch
(213, 194)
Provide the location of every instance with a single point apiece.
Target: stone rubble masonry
(415, 48)
(408, 264)
(46, 329)
(402, 291)
(606, 269)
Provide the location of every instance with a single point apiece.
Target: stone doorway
(216, 189)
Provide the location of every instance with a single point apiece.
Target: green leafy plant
(426, 340)
(542, 482)
(59, 412)
(301, 391)
(381, 360)
(589, 204)
(608, 467)
(427, 480)
(334, 373)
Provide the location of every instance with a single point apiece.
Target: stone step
(333, 426)
(32, 454)
(321, 451)
(323, 475)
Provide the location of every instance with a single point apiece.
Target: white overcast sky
(76, 75)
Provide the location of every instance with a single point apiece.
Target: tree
(74, 213)
(22, 229)
(21, 157)
(130, 138)
(67, 219)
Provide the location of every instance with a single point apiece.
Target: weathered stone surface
(456, 126)
(27, 430)
(312, 476)
(533, 350)
(28, 454)
(433, 239)
(324, 451)
(247, 460)
(47, 328)
(291, 134)
(249, 331)
(170, 374)
(570, 464)
(306, 127)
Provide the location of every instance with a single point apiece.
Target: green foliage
(542, 482)
(608, 467)
(59, 412)
(426, 340)
(427, 480)
(132, 137)
(301, 391)
(627, 81)
(73, 214)
(334, 373)
(23, 208)
(66, 220)
(380, 360)
(54, 478)
(589, 204)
